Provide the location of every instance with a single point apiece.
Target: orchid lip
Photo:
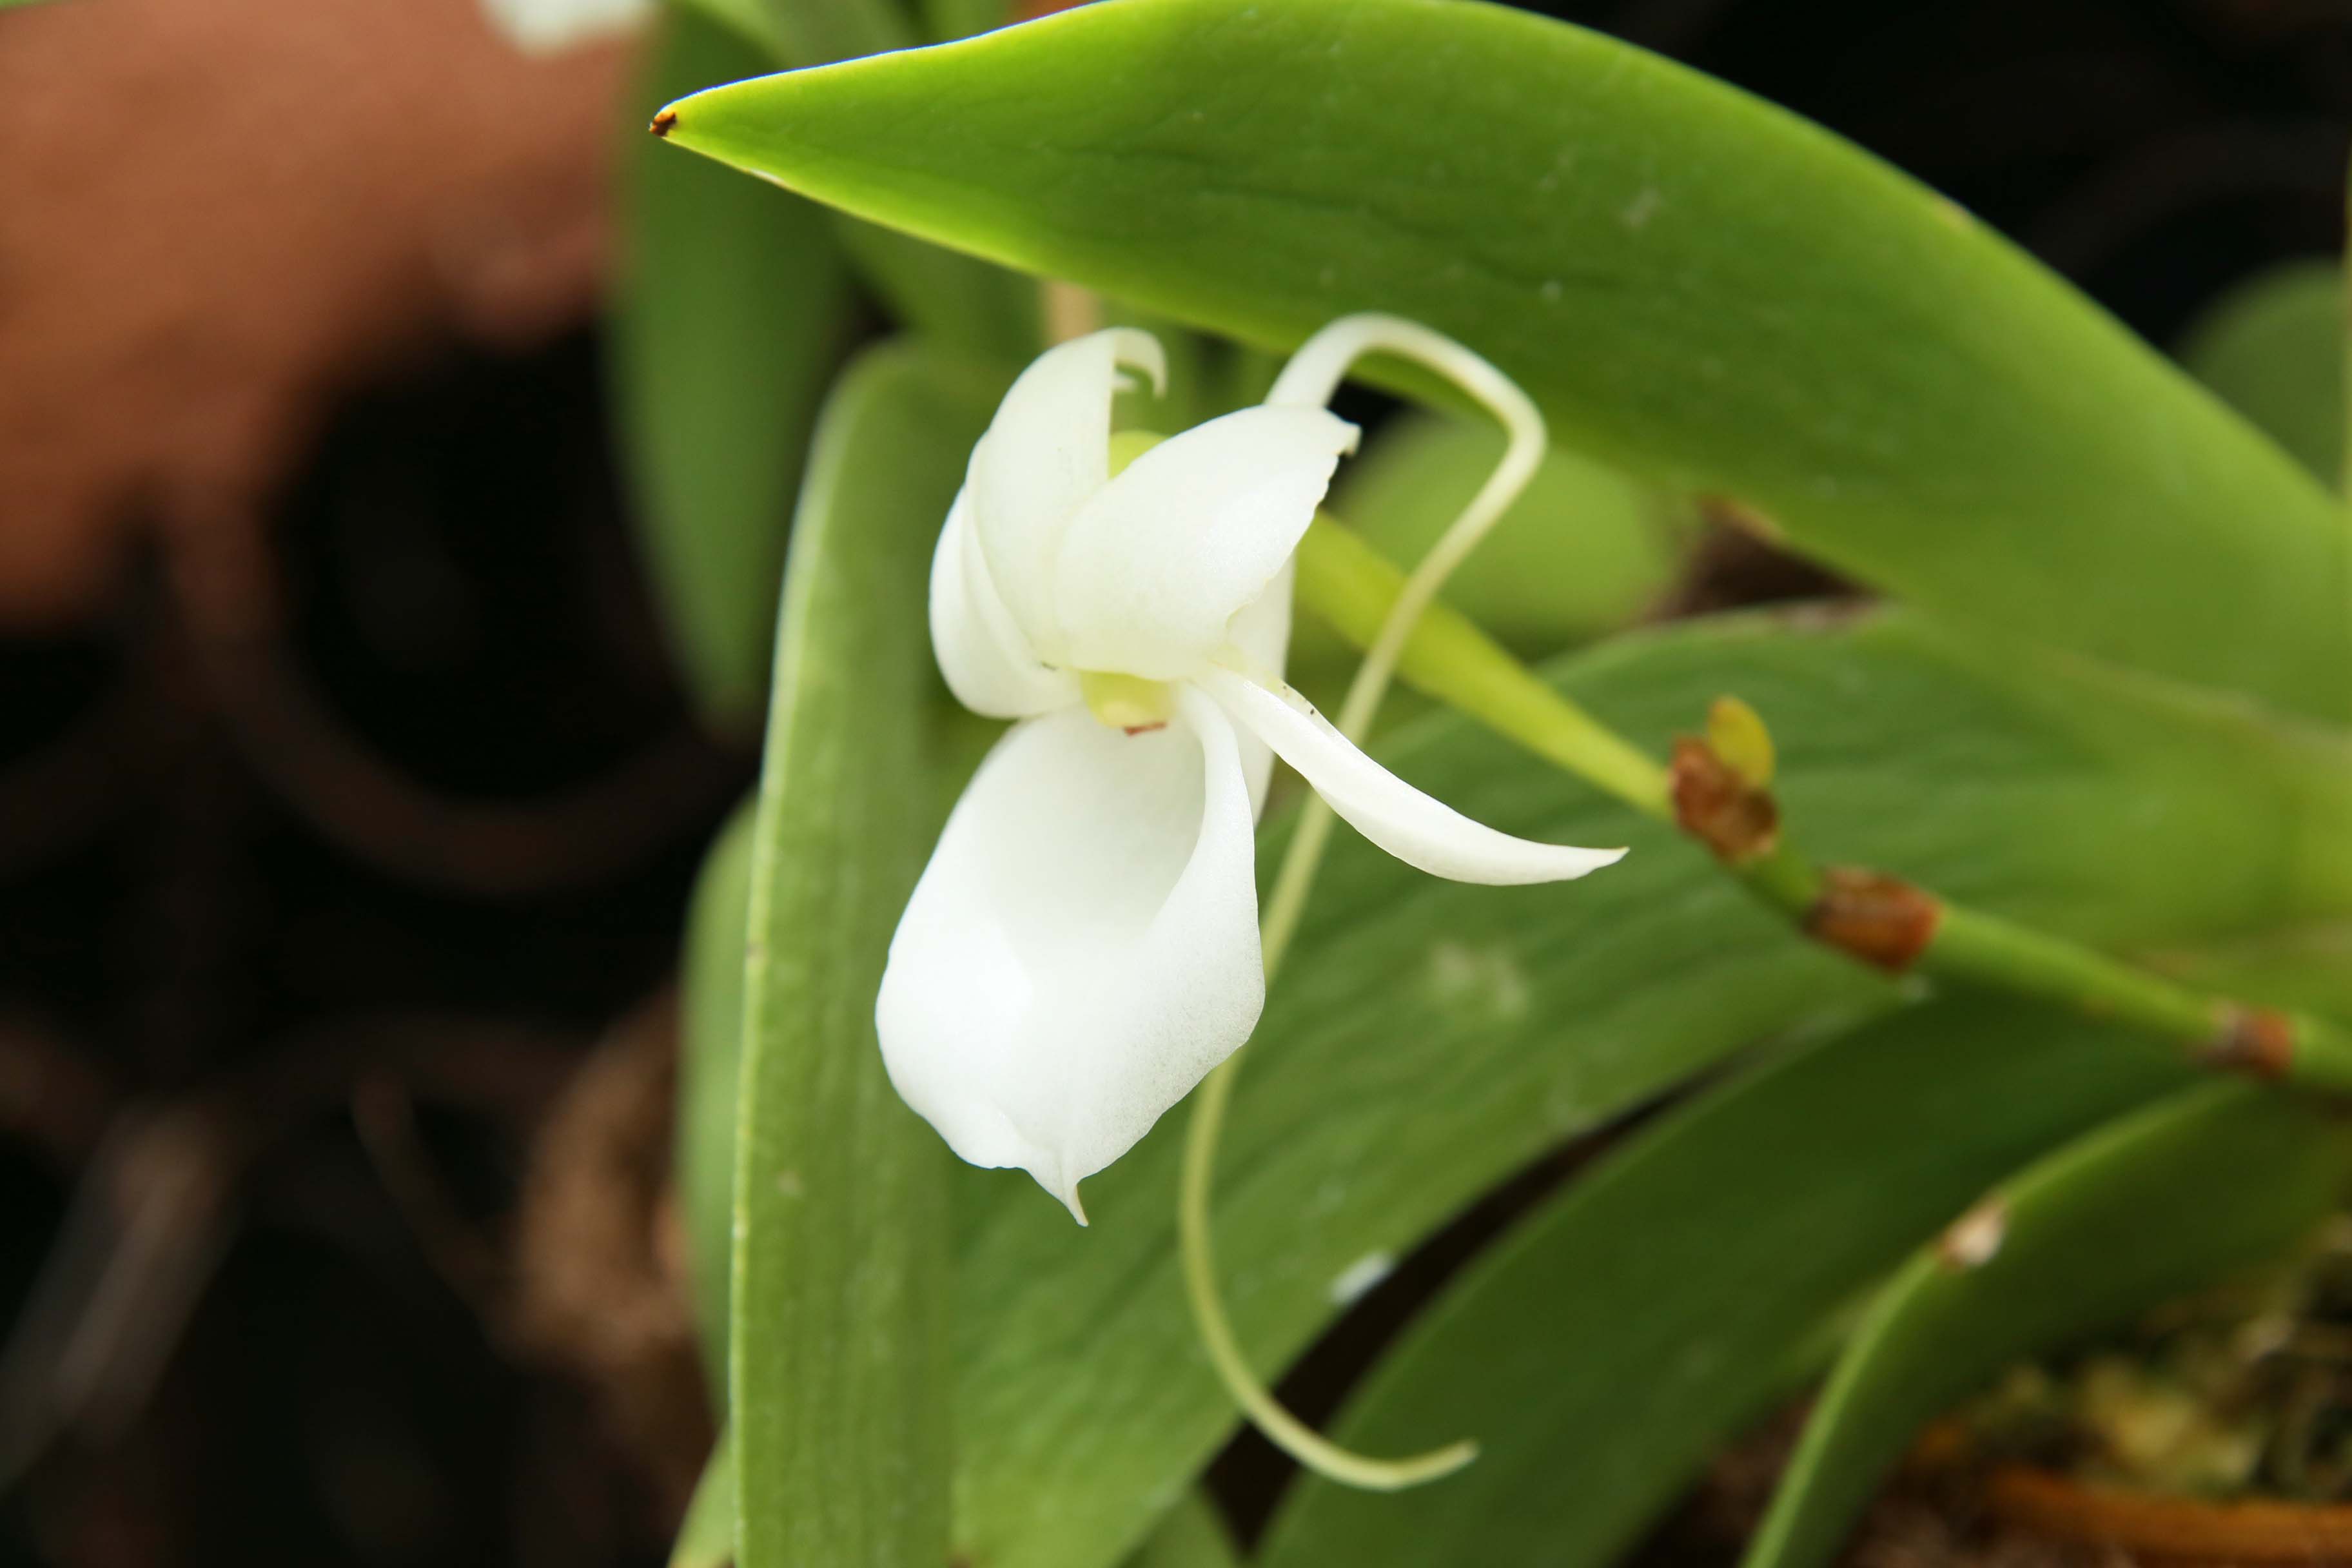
(1127, 702)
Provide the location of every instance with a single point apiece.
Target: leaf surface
(1427, 1039)
(2218, 1176)
(1667, 1298)
(1698, 288)
(838, 1366)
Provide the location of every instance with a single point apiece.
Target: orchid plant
(1986, 943)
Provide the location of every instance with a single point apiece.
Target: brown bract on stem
(1716, 805)
(1883, 921)
(2256, 1040)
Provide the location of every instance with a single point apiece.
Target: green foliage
(707, 1537)
(1711, 297)
(2274, 349)
(1698, 287)
(980, 310)
(944, 19)
(727, 323)
(976, 308)
(2217, 1176)
(1583, 552)
(812, 32)
(710, 1055)
(838, 1365)
(1670, 1296)
(1428, 1039)
(1189, 1536)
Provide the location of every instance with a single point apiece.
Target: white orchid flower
(1083, 947)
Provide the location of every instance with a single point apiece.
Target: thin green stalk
(1283, 906)
(1347, 583)
(1352, 586)
(1309, 380)
(1295, 1438)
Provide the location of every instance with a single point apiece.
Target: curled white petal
(1154, 567)
(1082, 947)
(1414, 828)
(1261, 639)
(1046, 453)
(987, 661)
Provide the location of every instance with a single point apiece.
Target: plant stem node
(1716, 804)
(1883, 921)
(2253, 1040)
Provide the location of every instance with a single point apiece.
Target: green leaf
(1582, 553)
(1428, 1039)
(945, 19)
(838, 1364)
(1699, 287)
(1670, 1295)
(706, 1539)
(711, 1029)
(1192, 1535)
(978, 309)
(2213, 1178)
(2274, 349)
(727, 323)
(2307, 966)
(813, 31)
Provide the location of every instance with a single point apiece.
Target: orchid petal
(1083, 947)
(1414, 828)
(988, 664)
(1261, 637)
(1155, 567)
(1046, 453)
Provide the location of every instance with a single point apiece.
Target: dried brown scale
(2254, 1040)
(664, 123)
(1720, 809)
(1883, 921)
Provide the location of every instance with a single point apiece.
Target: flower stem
(1310, 378)
(1350, 584)
(1871, 918)
(1294, 1437)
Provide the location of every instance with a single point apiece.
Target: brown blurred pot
(2172, 1531)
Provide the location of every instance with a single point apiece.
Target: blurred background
(350, 794)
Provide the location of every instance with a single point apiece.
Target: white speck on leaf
(1351, 1284)
(789, 1183)
(1486, 979)
(1642, 208)
(1974, 1239)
